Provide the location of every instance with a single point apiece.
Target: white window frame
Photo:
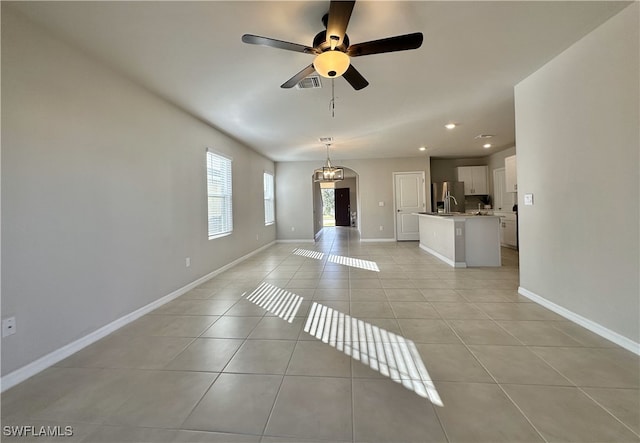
(223, 169)
(269, 198)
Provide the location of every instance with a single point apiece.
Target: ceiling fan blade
(265, 41)
(391, 44)
(339, 15)
(299, 76)
(355, 79)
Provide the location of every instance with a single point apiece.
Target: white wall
(294, 198)
(104, 195)
(578, 142)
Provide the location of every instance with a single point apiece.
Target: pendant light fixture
(328, 173)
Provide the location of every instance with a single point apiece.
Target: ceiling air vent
(326, 140)
(311, 82)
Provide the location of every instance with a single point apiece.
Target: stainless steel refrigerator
(439, 191)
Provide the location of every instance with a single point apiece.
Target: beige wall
(294, 197)
(444, 169)
(578, 152)
(103, 195)
(317, 209)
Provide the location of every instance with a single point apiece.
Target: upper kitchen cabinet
(511, 177)
(474, 178)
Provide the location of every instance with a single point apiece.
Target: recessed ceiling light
(483, 136)
(422, 148)
(486, 145)
(450, 125)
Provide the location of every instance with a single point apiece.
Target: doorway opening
(336, 203)
(328, 207)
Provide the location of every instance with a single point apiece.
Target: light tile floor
(214, 366)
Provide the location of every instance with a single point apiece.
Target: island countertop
(461, 240)
(454, 215)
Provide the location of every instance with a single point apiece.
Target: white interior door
(409, 198)
(502, 200)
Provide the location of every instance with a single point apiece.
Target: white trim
(447, 260)
(374, 240)
(594, 327)
(221, 154)
(319, 234)
(300, 240)
(31, 369)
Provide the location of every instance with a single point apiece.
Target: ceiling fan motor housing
(321, 44)
(332, 49)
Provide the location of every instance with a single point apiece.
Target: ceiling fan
(332, 49)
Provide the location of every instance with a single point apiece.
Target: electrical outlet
(458, 232)
(380, 203)
(381, 228)
(187, 262)
(293, 228)
(8, 326)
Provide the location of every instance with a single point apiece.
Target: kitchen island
(461, 240)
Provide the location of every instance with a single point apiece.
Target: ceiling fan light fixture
(331, 64)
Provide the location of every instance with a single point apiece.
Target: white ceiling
(473, 54)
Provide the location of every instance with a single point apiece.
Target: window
(269, 200)
(220, 214)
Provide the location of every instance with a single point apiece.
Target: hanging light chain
(332, 102)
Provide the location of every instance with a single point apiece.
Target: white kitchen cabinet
(511, 176)
(508, 231)
(474, 178)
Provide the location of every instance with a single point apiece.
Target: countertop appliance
(439, 191)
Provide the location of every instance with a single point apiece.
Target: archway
(336, 203)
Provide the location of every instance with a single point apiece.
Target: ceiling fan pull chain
(332, 103)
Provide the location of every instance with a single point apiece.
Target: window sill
(213, 237)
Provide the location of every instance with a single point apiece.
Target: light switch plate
(380, 203)
(528, 199)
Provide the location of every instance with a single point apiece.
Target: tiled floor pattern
(212, 366)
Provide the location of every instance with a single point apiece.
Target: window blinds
(220, 214)
(269, 200)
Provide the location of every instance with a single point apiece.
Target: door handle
(398, 210)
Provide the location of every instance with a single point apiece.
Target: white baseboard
(377, 240)
(318, 234)
(594, 327)
(448, 261)
(31, 369)
(301, 240)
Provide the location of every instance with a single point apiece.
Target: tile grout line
(498, 384)
(275, 400)
(580, 389)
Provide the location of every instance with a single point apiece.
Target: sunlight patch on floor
(385, 352)
(281, 303)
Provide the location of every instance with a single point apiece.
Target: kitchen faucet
(447, 202)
